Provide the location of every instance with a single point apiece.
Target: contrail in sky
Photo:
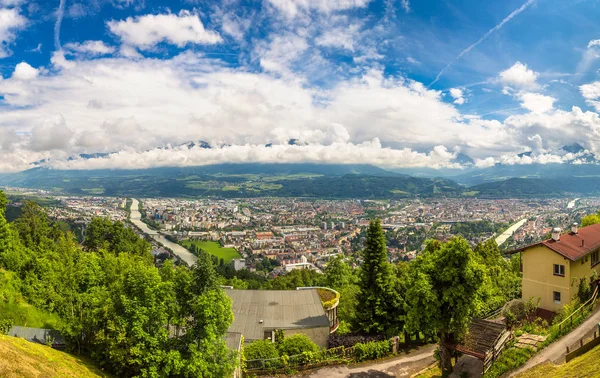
(492, 30)
(59, 16)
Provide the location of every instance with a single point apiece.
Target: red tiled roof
(573, 246)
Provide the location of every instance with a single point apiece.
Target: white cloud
(23, 71)
(519, 76)
(405, 5)
(341, 37)
(11, 21)
(591, 93)
(594, 43)
(536, 102)
(341, 153)
(53, 134)
(278, 54)
(145, 32)
(92, 48)
(134, 105)
(458, 96)
(292, 8)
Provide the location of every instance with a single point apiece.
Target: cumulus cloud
(133, 106)
(23, 71)
(91, 48)
(458, 96)
(11, 22)
(51, 135)
(145, 32)
(591, 93)
(536, 102)
(520, 76)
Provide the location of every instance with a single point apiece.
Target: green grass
(215, 249)
(583, 366)
(21, 358)
(398, 191)
(26, 315)
(471, 193)
(17, 310)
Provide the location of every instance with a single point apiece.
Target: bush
(296, 344)
(510, 359)
(349, 340)
(260, 350)
(372, 350)
(5, 326)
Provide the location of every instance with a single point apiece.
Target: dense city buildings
(306, 234)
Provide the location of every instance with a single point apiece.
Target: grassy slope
(213, 248)
(15, 308)
(20, 358)
(587, 365)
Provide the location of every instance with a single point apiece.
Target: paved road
(400, 367)
(556, 351)
(178, 250)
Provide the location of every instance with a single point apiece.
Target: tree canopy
(444, 293)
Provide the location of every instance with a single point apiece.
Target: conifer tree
(379, 306)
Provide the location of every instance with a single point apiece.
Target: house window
(559, 270)
(594, 258)
(557, 297)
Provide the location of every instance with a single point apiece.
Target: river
(136, 218)
(508, 233)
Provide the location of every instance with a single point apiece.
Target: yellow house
(552, 268)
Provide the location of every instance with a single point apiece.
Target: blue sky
(396, 83)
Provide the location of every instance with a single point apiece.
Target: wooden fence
(583, 347)
(569, 320)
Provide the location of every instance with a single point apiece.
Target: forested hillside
(113, 305)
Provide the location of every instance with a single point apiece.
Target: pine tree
(379, 307)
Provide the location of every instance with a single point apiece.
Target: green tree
(379, 307)
(338, 274)
(114, 237)
(504, 281)
(444, 293)
(590, 219)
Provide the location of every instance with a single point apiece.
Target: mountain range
(320, 180)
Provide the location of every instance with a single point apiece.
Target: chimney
(556, 233)
(574, 228)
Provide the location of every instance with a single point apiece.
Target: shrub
(372, 350)
(510, 359)
(260, 349)
(296, 344)
(5, 326)
(349, 340)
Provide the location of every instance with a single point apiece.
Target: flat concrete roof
(278, 309)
